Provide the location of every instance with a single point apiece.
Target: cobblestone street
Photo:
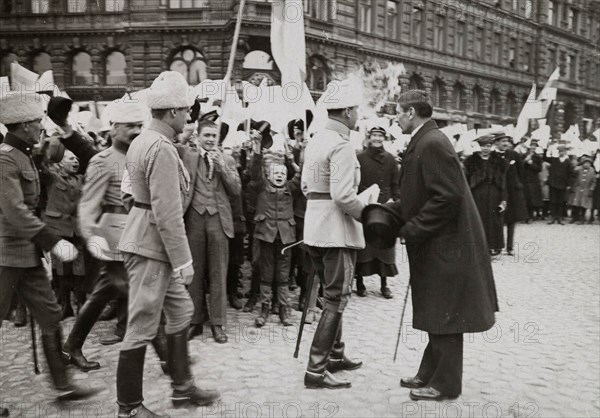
(541, 359)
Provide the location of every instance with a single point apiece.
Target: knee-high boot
(185, 391)
(159, 342)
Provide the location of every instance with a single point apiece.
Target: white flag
(548, 93)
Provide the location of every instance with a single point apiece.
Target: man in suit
(24, 235)
(214, 180)
(157, 254)
(451, 277)
(560, 178)
(332, 232)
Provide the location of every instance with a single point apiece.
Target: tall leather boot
(80, 291)
(130, 373)
(185, 391)
(64, 290)
(317, 376)
(159, 342)
(52, 345)
(338, 360)
(84, 322)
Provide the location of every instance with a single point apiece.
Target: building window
(552, 60)
(82, 69)
(415, 83)
(187, 4)
(116, 67)
(76, 6)
(318, 9)
(114, 5)
(515, 6)
(572, 64)
(417, 26)
(459, 97)
(511, 104)
(41, 63)
(512, 53)
(497, 48)
(365, 15)
(439, 32)
(528, 8)
(527, 57)
(572, 21)
(437, 93)
(480, 44)
(317, 74)
(477, 99)
(460, 39)
(7, 59)
(551, 13)
(190, 64)
(392, 19)
(494, 102)
(40, 6)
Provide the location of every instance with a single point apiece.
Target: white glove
(64, 251)
(187, 274)
(97, 246)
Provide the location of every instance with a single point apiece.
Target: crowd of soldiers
(152, 225)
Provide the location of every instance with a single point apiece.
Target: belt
(114, 209)
(142, 205)
(318, 196)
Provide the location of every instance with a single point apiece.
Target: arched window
(7, 59)
(116, 68)
(415, 83)
(82, 69)
(189, 63)
(511, 104)
(494, 102)
(42, 63)
(459, 100)
(317, 74)
(437, 93)
(477, 99)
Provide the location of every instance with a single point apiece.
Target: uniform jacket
(382, 169)
(227, 184)
(22, 234)
(332, 171)
(64, 191)
(274, 206)
(101, 199)
(560, 173)
(451, 276)
(582, 194)
(157, 178)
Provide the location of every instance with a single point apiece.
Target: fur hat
(21, 107)
(129, 112)
(342, 94)
(169, 91)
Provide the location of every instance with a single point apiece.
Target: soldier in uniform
(157, 254)
(24, 235)
(332, 232)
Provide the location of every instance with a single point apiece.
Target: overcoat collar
(427, 126)
(338, 127)
(16, 142)
(162, 128)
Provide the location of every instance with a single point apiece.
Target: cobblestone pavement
(541, 359)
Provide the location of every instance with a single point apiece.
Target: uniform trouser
(112, 284)
(210, 252)
(335, 269)
(154, 288)
(557, 202)
(273, 267)
(510, 235)
(33, 288)
(442, 363)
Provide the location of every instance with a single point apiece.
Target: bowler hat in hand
(381, 225)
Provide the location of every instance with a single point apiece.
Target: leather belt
(114, 209)
(318, 196)
(142, 205)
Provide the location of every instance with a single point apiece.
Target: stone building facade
(477, 59)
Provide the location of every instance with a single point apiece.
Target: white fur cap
(129, 112)
(169, 91)
(21, 107)
(342, 94)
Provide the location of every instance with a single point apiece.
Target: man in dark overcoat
(453, 289)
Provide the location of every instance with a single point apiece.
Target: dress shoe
(386, 292)
(194, 396)
(311, 316)
(428, 394)
(324, 381)
(510, 252)
(139, 411)
(73, 393)
(195, 330)
(337, 365)
(275, 308)
(412, 382)
(552, 222)
(235, 302)
(252, 300)
(218, 334)
(77, 359)
(361, 292)
(110, 339)
(560, 222)
(262, 318)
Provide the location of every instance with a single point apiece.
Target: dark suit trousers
(33, 287)
(557, 201)
(210, 253)
(442, 363)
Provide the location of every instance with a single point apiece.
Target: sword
(401, 321)
(284, 249)
(309, 289)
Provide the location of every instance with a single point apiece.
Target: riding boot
(64, 290)
(159, 342)
(324, 340)
(185, 391)
(80, 291)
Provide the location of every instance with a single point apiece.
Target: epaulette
(6, 148)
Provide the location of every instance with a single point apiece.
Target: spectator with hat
(377, 166)
(560, 177)
(582, 192)
(532, 166)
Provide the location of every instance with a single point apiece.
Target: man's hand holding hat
(64, 251)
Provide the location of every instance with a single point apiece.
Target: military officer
(24, 235)
(332, 232)
(157, 254)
